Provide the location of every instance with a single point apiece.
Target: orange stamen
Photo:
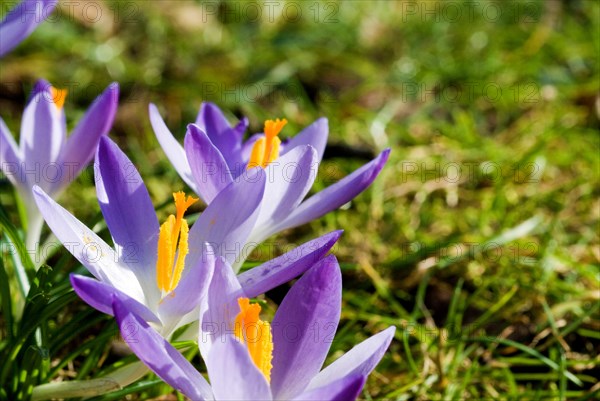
(256, 334)
(59, 96)
(266, 149)
(173, 245)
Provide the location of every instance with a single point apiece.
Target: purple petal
(192, 288)
(241, 128)
(160, 356)
(303, 328)
(128, 212)
(99, 296)
(212, 120)
(228, 220)
(220, 307)
(314, 135)
(286, 267)
(41, 85)
(209, 168)
(172, 148)
(10, 157)
(43, 134)
(232, 373)
(97, 121)
(360, 360)
(21, 21)
(337, 194)
(289, 179)
(346, 389)
(89, 249)
(225, 138)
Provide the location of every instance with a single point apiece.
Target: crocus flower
(45, 156)
(164, 270)
(253, 360)
(21, 21)
(214, 155)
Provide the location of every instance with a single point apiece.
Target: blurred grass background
(479, 240)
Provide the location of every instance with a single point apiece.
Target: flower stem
(88, 388)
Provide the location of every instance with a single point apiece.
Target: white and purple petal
(42, 139)
(209, 168)
(345, 389)
(314, 135)
(227, 222)
(129, 213)
(219, 309)
(87, 247)
(81, 145)
(99, 296)
(335, 195)
(40, 85)
(289, 179)
(232, 373)
(226, 138)
(160, 356)
(303, 328)
(360, 360)
(286, 267)
(192, 289)
(172, 148)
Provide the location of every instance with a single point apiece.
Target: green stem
(21, 273)
(88, 388)
(32, 239)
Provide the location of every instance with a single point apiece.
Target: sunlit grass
(479, 241)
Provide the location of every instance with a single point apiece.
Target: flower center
(59, 96)
(173, 245)
(256, 334)
(266, 149)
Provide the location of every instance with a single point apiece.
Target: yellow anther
(274, 127)
(182, 203)
(266, 149)
(256, 334)
(173, 245)
(59, 96)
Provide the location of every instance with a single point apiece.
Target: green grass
(490, 273)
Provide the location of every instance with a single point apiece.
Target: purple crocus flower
(21, 21)
(214, 155)
(237, 360)
(163, 271)
(45, 156)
